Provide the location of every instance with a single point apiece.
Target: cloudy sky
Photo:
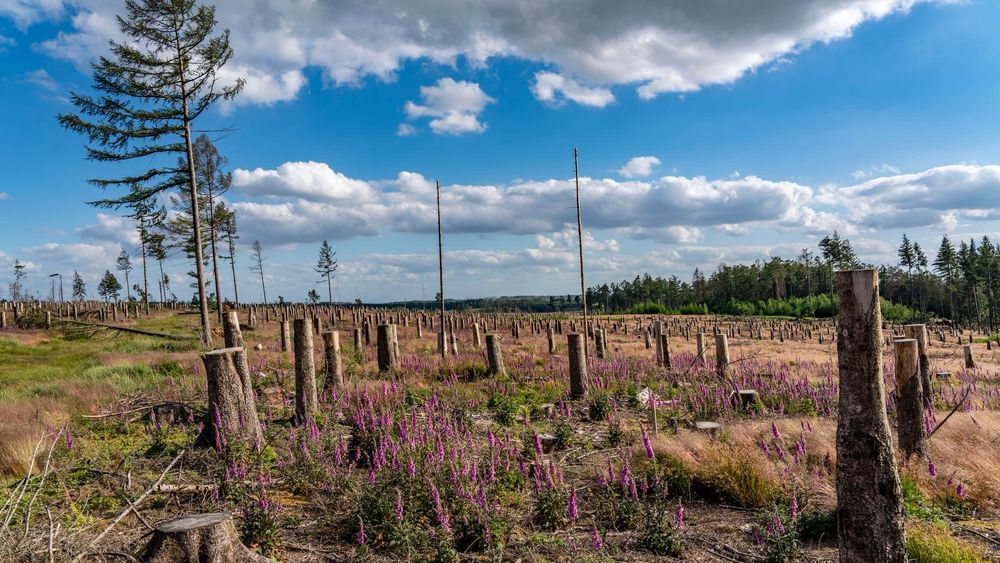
(708, 131)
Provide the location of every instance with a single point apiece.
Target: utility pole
(442, 338)
(579, 237)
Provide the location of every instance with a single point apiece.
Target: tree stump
(699, 343)
(869, 497)
(721, 353)
(477, 339)
(333, 363)
(599, 348)
(383, 341)
(665, 351)
(918, 332)
(306, 399)
(551, 335)
(909, 400)
(199, 538)
(231, 418)
(970, 361)
(494, 356)
(284, 336)
(577, 366)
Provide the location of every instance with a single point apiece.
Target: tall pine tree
(155, 84)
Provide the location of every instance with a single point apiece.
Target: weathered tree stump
(721, 353)
(918, 332)
(333, 363)
(551, 335)
(665, 351)
(386, 355)
(199, 538)
(699, 344)
(494, 356)
(970, 361)
(909, 400)
(477, 339)
(231, 419)
(306, 400)
(869, 497)
(577, 365)
(233, 338)
(283, 331)
(599, 348)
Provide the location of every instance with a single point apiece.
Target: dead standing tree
(869, 498)
(442, 336)
(579, 237)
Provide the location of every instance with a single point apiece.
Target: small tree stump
(198, 538)
(970, 361)
(494, 356)
(665, 351)
(721, 353)
(577, 366)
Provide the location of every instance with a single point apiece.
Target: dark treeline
(961, 283)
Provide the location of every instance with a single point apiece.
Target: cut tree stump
(199, 538)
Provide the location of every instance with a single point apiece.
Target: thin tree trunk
(579, 236)
(206, 329)
(215, 254)
(145, 273)
(232, 262)
(442, 340)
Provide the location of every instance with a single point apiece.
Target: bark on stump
(577, 366)
(599, 349)
(494, 356)
(970, 361)
(909, 400)
(306, 400)
(230, 416)
(334, 366)
(699, 344)
(386, 355)
(665, 351)
(721, 353)
(233, 337)
(284, 336)
(918, 332)
(869, 498)
(199, 538)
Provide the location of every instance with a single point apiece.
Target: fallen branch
(131, 507)
(953, 411)
(128, 330)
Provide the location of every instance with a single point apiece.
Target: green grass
(931, 542)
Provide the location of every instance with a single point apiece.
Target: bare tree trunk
(442, 339)
(206, 329)
(213, 235)
(579, 237)
(869, 498)
(145, 273)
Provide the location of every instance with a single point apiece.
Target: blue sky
(705, 135)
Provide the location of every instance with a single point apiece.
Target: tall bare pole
(579, 237)
(442, 338)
